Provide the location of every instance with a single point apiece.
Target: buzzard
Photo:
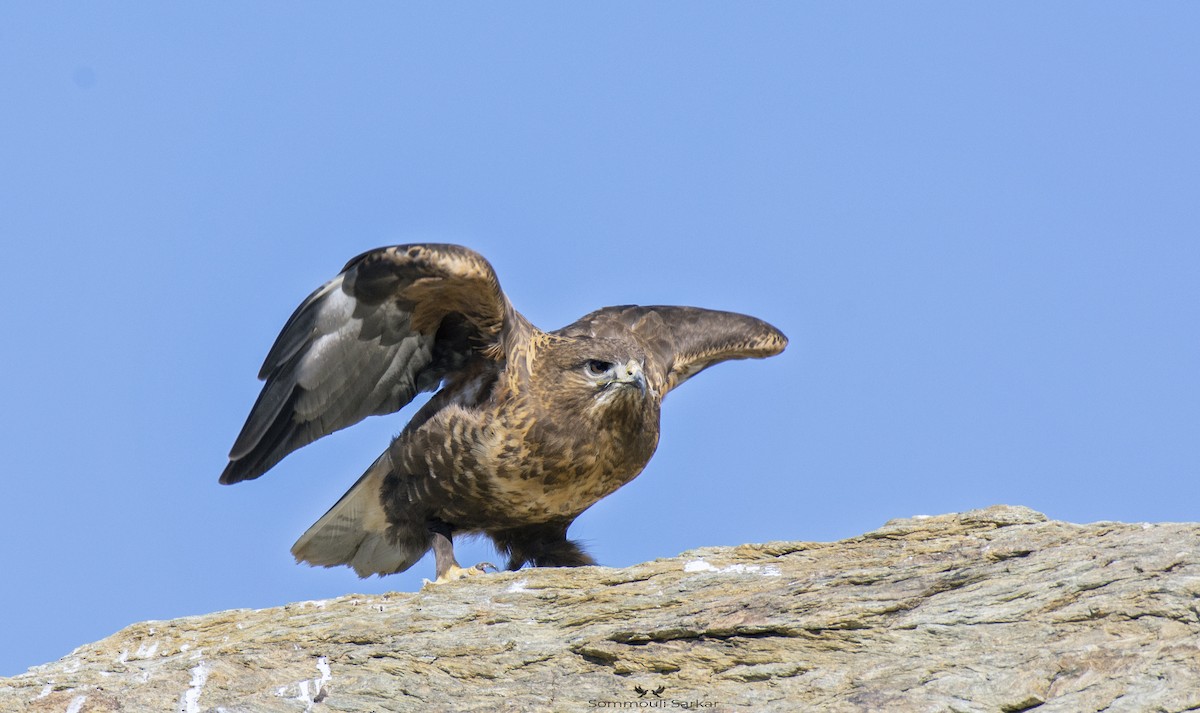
(527, 430)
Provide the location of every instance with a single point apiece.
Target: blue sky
(976, 222)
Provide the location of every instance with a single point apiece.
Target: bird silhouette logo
(657, 692)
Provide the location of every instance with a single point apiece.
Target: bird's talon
(456, 572)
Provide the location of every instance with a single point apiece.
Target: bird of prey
(526, 430)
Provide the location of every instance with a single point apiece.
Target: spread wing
(395, 322)
(680, 342)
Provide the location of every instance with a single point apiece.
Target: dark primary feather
(389, 326)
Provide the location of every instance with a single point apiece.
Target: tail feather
(355, 531)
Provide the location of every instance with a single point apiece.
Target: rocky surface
(990, 610)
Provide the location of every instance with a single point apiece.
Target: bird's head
(600, 376)
(610, 378)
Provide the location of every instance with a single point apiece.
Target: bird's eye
(596, 367)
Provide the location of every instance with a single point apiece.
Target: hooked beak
(630, 373)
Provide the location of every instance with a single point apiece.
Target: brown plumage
(527, 431)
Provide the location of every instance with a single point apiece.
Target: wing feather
(366, 342)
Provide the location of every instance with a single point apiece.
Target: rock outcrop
(990, 610)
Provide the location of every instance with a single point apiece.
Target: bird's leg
(445, 565)
(541, 545)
